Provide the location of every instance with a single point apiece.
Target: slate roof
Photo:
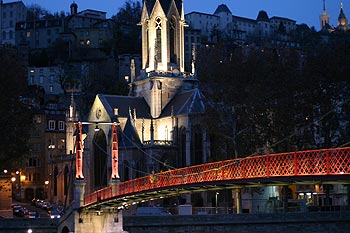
(262, 16)
(189, 102)
(222, 8)
(123, 103)
(165, 5)
(130, 137)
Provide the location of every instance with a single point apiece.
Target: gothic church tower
(163, 74)
(163, 35)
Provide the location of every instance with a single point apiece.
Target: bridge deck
(332, 165)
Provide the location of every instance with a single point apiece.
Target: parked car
(31, 214)
(39, 203)
(16, 209)
(46, 205)
(54, 214)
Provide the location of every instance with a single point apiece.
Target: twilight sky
(303, 11)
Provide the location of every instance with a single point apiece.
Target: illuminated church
(160, 122)
(342, 23)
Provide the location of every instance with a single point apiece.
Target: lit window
(61, 125)
(52, 79)
(88, 42)
(28, 34)
(51, 88)
(37, 119)
(81, 42)
(51, 124)
(31, 79)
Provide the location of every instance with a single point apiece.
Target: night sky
(303, 11)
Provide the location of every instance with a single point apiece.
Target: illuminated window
(158, 47)
(51, 88)
(61, 125)
(31, 79)
(37, 119)
(28, 34)
(88, 42)
(52, 125)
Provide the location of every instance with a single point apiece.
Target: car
(39, 203)
(46, 205)
(23, 211)
(17, 210)
(31, 214)
(54, 214)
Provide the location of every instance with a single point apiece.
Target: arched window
(126, 170)
(158, 45)
(100, 159)
(147, 40)
(172, 37)
(55, 176)
(66, 180)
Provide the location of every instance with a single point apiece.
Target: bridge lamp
(216, 201)
(13, 179)
(29, 231)
(6, 171)
(97, 128)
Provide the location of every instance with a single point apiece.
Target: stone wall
(289, 222)
(39, 225)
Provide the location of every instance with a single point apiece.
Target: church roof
(341, 15)
(222, 8)
(189, 102)
(123, 103)
(164, 3)
(130, 137)
(262, 16)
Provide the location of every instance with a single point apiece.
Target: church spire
(324, 17)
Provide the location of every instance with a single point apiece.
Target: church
(160, 123)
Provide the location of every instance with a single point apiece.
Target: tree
(127, 33)
(15, 115)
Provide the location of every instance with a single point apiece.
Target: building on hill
(277, 31)
(160, 124)
(39, 34)
(10, 14)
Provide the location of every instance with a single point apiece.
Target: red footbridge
(301, 167)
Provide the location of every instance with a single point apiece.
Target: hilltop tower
(342, 20)
(324, 17)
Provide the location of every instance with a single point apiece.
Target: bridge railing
(301, 163)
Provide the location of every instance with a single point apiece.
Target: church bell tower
(163, 24)
(324, 17)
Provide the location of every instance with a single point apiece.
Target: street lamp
(46, 188)
(216, 201)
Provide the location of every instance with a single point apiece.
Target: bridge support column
(285, 197)
(79, 192)
(104, 220)
(113, 183)
(238, 200)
